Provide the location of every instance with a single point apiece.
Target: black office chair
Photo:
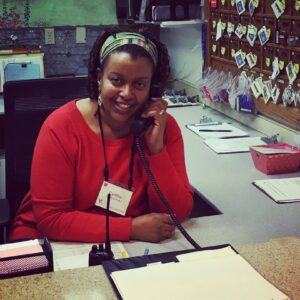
(27, 103)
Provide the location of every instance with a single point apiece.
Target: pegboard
(283, 41)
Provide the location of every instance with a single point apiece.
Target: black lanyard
(106, 170)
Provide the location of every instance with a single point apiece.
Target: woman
(86, 146)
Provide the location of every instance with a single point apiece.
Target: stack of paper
(233, 145)
(20, 248)
(212, 274)
(281, 190)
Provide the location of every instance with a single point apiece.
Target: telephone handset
(140, 124)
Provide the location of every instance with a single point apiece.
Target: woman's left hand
(155, 133)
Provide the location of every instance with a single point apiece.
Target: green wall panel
(67, 12)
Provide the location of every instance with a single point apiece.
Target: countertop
(277, 260)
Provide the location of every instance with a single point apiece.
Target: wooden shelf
(174, 24)
(183, 23)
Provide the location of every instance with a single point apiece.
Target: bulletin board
(37, 13)
(275, 45)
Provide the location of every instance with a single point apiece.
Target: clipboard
(219, 130)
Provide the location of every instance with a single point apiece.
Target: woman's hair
(161, 72)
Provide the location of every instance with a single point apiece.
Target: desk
(248, 221)
(248, 215)
(277, 260)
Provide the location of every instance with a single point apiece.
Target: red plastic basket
(277, 163)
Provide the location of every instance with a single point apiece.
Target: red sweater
(67, 173)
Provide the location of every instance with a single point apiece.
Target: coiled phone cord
(161, 196)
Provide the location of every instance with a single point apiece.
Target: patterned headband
(125, 38)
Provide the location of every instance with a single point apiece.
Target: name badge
(119, 198)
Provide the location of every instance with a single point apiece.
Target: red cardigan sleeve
(168, 168)
(52, 189)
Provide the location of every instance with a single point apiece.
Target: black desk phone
(140, 124)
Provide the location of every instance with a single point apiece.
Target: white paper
(20, 248)
(234, 132)
(76, 255)
(223, 278)
(233, 145)
(206, 254)
(19, 244)
(268, 150)
(281, 190)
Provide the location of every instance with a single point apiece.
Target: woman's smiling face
(125, 85)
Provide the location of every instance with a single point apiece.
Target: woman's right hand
(153, 227)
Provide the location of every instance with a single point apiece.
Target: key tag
(263, 35)
(288, 96)
(239, 57)
(256, 3)
(219, 30)
(251, 34)
(276, 69)
(291, 72)
(214, 48)
(224, 25)
(255, 88)
(251, 59)
(266, 91)
(230, 28)
(297, 98)
(275, 94)
(278, 8)
(251, 7)
(214, 24)
(240, 6)
(297, 5)
(120, 197)
(240, 30)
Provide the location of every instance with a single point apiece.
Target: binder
(21, 71)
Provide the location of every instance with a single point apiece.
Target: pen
(215, 130)
(208, 124)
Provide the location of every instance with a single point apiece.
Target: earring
(99, 100)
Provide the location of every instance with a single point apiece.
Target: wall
(65, 57)
(67, 12)
(184, 45)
